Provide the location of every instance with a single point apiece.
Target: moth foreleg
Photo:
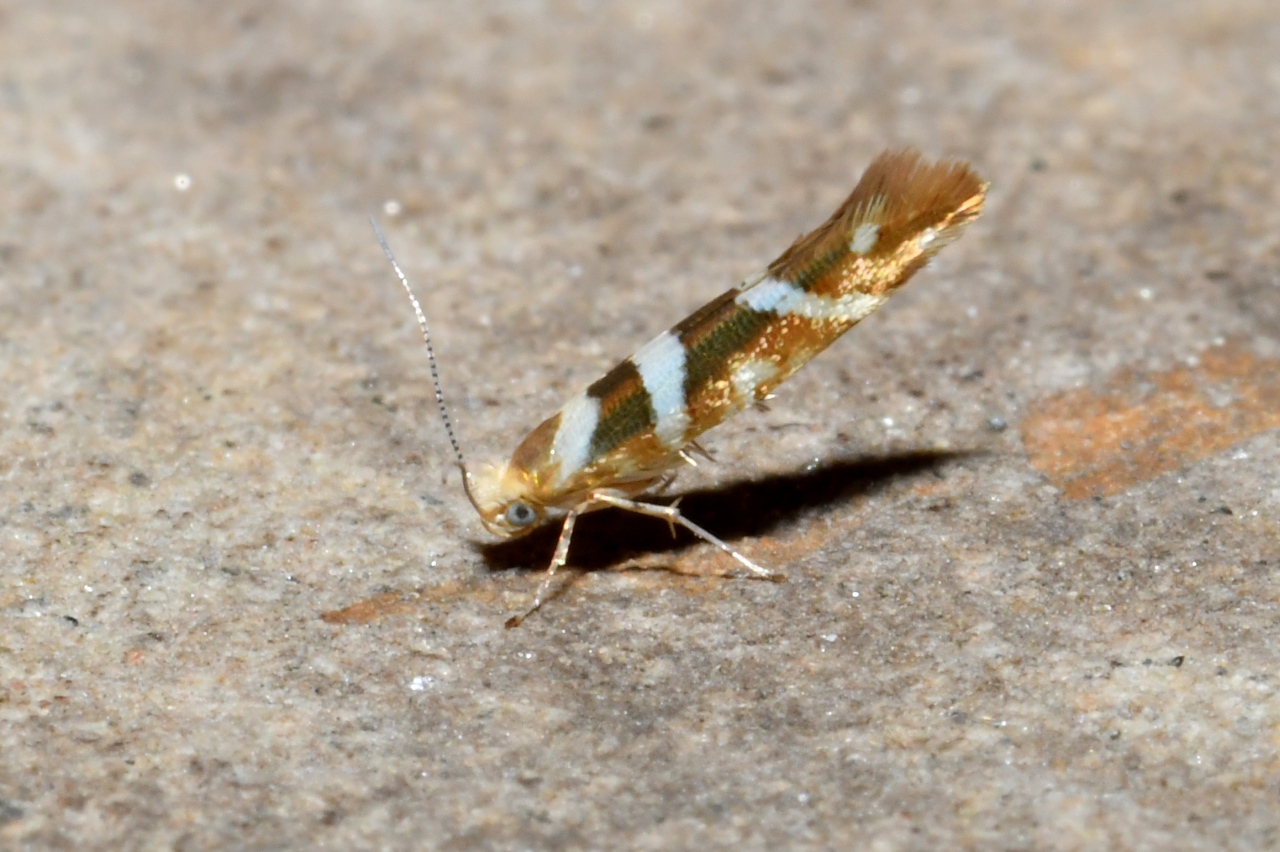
(671, 514)
(558, 561)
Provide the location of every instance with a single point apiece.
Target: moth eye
(520, 515)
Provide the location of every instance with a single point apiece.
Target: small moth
(627, 433)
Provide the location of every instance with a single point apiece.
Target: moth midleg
(604, 499)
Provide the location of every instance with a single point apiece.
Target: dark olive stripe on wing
(809, 275)
(713, 335)
(625, 408)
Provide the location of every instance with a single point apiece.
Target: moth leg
(671, 522)
(694, 446)
(672, 516)
(664, 483)
(557, 561)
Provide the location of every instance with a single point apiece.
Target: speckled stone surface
(1028, 510)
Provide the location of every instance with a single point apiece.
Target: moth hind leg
(672, 515)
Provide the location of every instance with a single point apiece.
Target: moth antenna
(431, 359)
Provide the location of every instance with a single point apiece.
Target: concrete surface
(1028, 510)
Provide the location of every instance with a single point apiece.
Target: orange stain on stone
(380, 606)
(371, 609)
(1091, 443)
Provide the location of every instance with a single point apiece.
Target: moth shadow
(754, 507)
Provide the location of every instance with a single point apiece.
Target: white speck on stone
(1145, 294)
(182, 182)
(391, 207)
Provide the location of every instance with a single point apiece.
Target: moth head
(502, 496)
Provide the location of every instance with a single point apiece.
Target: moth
(627, 433)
